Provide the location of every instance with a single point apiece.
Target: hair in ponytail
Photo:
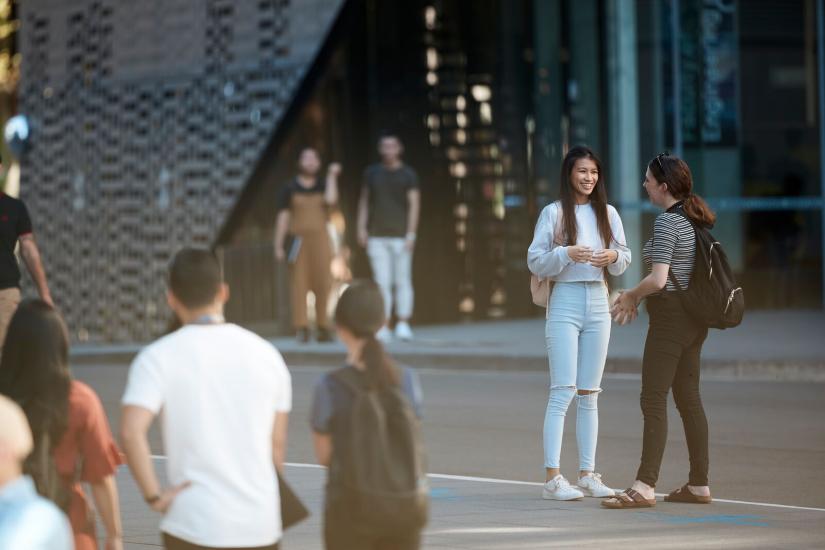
(381, 371)
(675, 172)
(698, 210)
(361, 311)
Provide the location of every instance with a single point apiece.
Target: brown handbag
(541, 289)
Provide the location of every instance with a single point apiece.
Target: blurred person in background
(27, 520)
(16, 227)
(303, 212)
(72, 439)
(361, 458)
(225, 395)
(388, 214)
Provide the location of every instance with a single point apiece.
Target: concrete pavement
(767, 451)
(786, 345)
(496, 514)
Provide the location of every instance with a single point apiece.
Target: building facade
(147, 119)
(161, 124)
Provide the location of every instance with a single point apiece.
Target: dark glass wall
(453, 80)
(732, 87)
(488, 95)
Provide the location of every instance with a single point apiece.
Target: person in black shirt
(303, 211)
(16, 226)
(388, 213)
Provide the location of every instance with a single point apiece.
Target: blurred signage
(708, 55)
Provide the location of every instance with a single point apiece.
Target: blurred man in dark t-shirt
(388, 215)
(16, 226)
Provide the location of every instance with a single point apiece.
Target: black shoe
(302, 335)
(324, 335)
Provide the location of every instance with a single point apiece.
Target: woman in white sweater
(577, 239)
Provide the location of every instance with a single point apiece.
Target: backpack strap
(679, 209)
(350, 379)
(672, 277)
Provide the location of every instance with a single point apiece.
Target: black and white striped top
(673, 243)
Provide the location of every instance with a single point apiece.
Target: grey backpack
(384, 476)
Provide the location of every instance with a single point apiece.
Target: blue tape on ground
(442, 493)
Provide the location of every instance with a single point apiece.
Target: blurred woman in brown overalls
(303, 212)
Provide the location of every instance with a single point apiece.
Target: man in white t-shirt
(225, 394)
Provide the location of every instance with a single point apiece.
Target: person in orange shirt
(72, 439)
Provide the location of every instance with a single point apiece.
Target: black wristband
(152, 499)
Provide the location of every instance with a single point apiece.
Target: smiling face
(583, 179)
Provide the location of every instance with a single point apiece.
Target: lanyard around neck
(209, 319)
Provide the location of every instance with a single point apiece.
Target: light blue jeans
(577, 333)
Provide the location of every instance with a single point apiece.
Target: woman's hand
(625, 309)
(603, 258)
(579, 253)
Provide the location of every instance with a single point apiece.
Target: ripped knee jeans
(577, 334)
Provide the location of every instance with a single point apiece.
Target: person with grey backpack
(365, 423)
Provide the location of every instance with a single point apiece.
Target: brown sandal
(628, 499)
(684, 495)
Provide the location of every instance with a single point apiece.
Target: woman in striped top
(674, 339)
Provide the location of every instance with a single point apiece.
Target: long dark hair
(361, 311)
(34, 369)
(675, 172)
(598, 199)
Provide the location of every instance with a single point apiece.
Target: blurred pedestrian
(366, 431)
(27, 520)
(225, 395)
(16, 227)
(388, 213)
(578, 240)
(303, 212)
(72, 440)
(674, 339)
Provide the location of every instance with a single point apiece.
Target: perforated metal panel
(147, 117)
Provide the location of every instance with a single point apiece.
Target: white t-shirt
(219, 387)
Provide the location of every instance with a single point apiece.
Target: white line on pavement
(537, 484)
(767, 504)
(485, 480)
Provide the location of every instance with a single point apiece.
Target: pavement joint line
(538, 484)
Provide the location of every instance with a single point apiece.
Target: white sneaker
(384, 335)
(592, 486)
(559, 488)
(403, 331)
